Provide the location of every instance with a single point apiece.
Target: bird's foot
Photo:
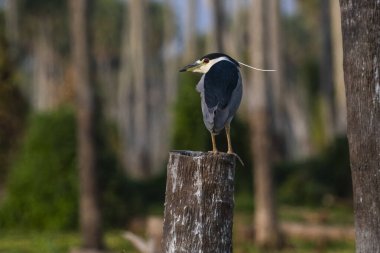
(215, 152)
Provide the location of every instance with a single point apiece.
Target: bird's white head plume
(264, 70)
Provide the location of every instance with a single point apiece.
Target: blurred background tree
(261, 119)
(85, 108)
(13, 109)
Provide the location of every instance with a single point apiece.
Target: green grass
(35, 242)
(18, 242)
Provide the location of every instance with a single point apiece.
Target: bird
(221, 91)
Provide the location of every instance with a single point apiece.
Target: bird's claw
(238, 157)
(215, 152)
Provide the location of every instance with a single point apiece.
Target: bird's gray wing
(219, 83)
(235, 100)
(208, 113)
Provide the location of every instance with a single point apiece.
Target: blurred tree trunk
(124, 94)
(140, 159)
(326, 74)
(276, 79)
(215, 40)
(12, 27)
(170, 69)
(266, 227)
(191, 43)
(235, 33)
(90, 214)
(339, 90)
(134, 94)
(361, 36)
(48, 75)
(137, 45)
(162, 86)
(233, 39)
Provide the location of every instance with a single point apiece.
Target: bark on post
(199, 202)
(361, 63)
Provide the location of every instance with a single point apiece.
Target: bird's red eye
(206, 60)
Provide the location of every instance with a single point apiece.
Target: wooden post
(199, 202)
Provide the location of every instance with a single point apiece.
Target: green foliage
(48, 242)
(122, 198)
(42, 185)
(311, 181)
(317, 127)
(147, 197)
(189, 131)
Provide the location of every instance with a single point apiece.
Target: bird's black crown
(217, 55)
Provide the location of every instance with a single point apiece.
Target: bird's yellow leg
(214, 149)
(229, 151)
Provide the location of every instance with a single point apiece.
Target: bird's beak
(191, 67)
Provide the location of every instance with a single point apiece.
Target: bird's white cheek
(204, 68)
(201, 69)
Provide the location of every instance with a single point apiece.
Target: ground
(62, 242)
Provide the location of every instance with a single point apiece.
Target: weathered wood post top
(199, 202)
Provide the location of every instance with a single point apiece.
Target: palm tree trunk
(134, 94)
(125, 95)
(276, 80)
(48, 72)
(339, 90)
(170, 74)
(191, 32)
(326, 73)
(216, 37)
(266, 227)
(90, 214)
(235, 38)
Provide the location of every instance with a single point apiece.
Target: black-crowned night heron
(221, 92)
